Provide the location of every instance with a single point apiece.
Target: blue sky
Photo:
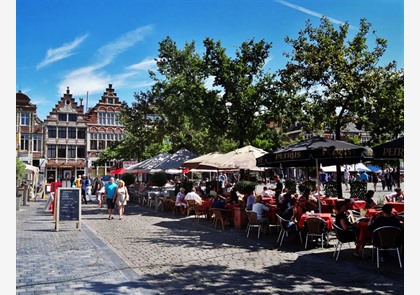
(87, 44)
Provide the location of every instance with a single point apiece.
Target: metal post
(25, 193)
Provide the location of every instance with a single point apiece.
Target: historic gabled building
(104, 128)
(29, 134)
(65, 130)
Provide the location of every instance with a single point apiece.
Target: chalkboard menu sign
(68, 205)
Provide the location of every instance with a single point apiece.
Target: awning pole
(318, 185)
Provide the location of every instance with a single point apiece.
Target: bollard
(25, 193)
(18, 196)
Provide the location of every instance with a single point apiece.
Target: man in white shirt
(192, 195)
(259, 208)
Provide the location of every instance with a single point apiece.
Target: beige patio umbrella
(241, 158)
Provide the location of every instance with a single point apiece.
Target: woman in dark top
(370, 203)
(342, 220)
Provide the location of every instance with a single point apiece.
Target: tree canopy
(205, 100)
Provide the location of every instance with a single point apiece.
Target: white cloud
(92, 78)
(108, 52)
(310, 12)
(62, 52)
(145, 64)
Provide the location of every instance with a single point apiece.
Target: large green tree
(340, 79)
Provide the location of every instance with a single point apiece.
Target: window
(118, 119)
(36, 138)
(62, 132)
(62, 117)
(52, 132)
(24, 119)
(93, 144)
(101, 145)
(71, 132)
(71, 151)
(81, 133)
(61, 151)
(101, 118)
(72, 117)
(51, 151)
(24, 142)
(110, 119)
(110, 100)
(81, 152)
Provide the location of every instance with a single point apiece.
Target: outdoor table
(271, 214)
(326, 216)
(358, 205)
(330, 201)
(328, 204)
(398, 206)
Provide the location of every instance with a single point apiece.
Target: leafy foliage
(245, 186)
(308, 184)
(358, 189)
(291, 185)
(20, 172)
(329, 81)
(331, 188)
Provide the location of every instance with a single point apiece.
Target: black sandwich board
(68, 205)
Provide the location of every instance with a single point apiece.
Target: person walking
(389, 180)
(85, 183)
(78, 181)
(110, 192)
(97, 185)
(375, 180)
(346, 178)
(121, 198)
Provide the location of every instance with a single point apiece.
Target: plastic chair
(253, 222)
(343, 236)
(316, 228)
(387, 238)
(284, 231)
(218, 216)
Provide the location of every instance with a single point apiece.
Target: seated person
(218, 202)
(290, 214)
(286, 201)
(192, 195)
(250, 199)
(180, 199)
(304, 205)
(398, 196)
(234, 195)
(342, 220)
(384, 218)
(267, 193)
(259, 208)
(370, 203)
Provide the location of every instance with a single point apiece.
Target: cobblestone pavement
(151, 252)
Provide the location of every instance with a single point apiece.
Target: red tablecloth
(358, 205)
(328, 204)
(398, 206)
(364, 234)
(330, 201)
(371, 212)
(326, 216)
(271, 214)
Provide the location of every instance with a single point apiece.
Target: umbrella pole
(318, 185)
